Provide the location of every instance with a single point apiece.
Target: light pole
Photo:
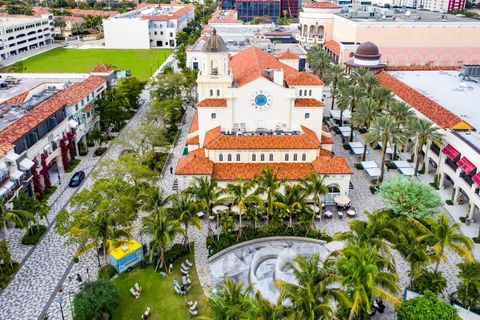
(60, 302)
(70, 292)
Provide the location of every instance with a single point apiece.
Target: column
(472, 209)
(441, 181)
(455, 194)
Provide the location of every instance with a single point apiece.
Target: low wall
(45, 75)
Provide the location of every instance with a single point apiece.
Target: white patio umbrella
(220, 207)
(342, 200)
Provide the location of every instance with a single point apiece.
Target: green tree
(268, 185)
(413, 248)
(77, 28)
(423, 131)
(19, 217)
(364, 115)
(292, 201)
(318, 60)
(383, 96)
(130, 89)
(5, 256)
(433, 281)
(59, 22)
(112, 110)
(316, 187)
(227, 221)
(232, 302)
(95, 300)
(410, 197)
(427, 307)
(349, 98)
(37, 209)
(402, 114)
(18, 7)
(468, 290)
(333, 76)
(170, 111)
(185, 210)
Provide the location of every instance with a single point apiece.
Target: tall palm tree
(385, 131)
(311, 297)
(365, 114)
(265, 310)
(368, 83)
(383, 96)
(241, 194)
(423, 131)
(232, 302)
(358, 76)
(442, 235)
(268, 184)
(318, 60)
(185, 209)
(19, 217)
(226, 220)
(162, 230)
(471, 282)
(402, 114)
(292, 201)
(349, 99)
(207, 193)
(364, 274)
(333, 76)
(153, 200)
(315, 186)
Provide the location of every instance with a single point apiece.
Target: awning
(26, 164)
(476, 179)
(12, 156)
(450, 152)
(17, 174)
(466, 165)
(72, 123)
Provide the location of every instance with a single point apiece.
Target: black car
(76, 179)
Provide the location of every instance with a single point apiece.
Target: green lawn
(142, 62)
(158, 294)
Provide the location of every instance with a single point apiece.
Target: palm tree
(19, 217)
(268, 184)
(385, 131)
(153, 200)
(318, 60)
(240, 195)
(365, 114)
(358, 76)
(226, 220)
(383, 96)
(368, 83)
(207, 193)
(315, 186)
(413, 248)
(311, 297)
(265, 310)
(162, 230)
(185, 210)
(333, 76)
(364, 274)
(349, 98)
(402, 114)
(292, 201)
(443, 235)
(423, 131)
(471, 282)
(232, 302)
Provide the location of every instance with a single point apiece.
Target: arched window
(229, 157)
(254, 157)
(304, 157)
(238, 156)
(211, 93)
(286, 156)
(310, 92)
(305, 92)
(300, 92)
(220, 157)
(295, 157)
(262, 157)
(270, 157)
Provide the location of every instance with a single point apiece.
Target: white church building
(256, 110)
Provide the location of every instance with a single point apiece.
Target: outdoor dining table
(328, 214)
(369, 164)
(402, 164)
(351, 213)
(407, 171)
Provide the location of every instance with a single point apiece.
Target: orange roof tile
(103, 68)
(416, 67)
(334, 46)
(212, 103)
(194, 126)
(79, 90)
(287, 55)
(18, 99)
(322, 5)
(88, 108)
(308, 102)
(214, 139)
(195, 163)
(193, 140)
(331, 165)
(73, 19)
(5, 147)
(85, 12)
(326, 136)
(251, 63)
(429, 108)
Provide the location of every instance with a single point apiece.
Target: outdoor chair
(186, 281)
(188, 263)
(134, 293)
(189, 303)
(184, 272)
(193, 313)
(184, 267)
(193, 306)
(137, 287)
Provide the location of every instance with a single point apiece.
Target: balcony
(451, 164)
(435, 149)
(467, 178)
(4, 176)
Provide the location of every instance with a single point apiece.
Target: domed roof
(367, 51)
(214, 43)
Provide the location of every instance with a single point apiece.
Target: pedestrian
(79, 278)
(171, 170)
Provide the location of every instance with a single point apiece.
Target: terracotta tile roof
(44, 110)
(287, 55)
(193, 140)
(325, 153)
(308, 102)
(174, 15)
(73, 19)
(5, 147)
(277, 33)
(334, 46)
(429, 108)
(251, 63)
(331, 165)
(103, 68)
(416, 67)
(195, 163)
(88, 108)
(212, 103)
(194, 126)
(322, 5)
(224, 16)
(18, 99)
(214, 139)
(326, 136)
(83, 13)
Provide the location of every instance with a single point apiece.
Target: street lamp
(70, 292)
(60, 302)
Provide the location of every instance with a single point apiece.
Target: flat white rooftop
(450, 91)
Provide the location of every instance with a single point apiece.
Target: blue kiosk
(127, 255)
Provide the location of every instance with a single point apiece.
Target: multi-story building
(451, 103)
(248, 10)
(404, 37)
(153, 26)
(20, 34)
(257, 111)
(35, 122)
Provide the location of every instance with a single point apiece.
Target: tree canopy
(95, 299)
(427, 307)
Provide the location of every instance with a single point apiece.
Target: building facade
(20, 34)
(153, 26)
(256, 111)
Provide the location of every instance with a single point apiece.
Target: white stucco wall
(126, 33)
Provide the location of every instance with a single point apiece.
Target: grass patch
(158, 294)
(72, 165)
(141, 62)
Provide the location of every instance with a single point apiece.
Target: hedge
(106, 272)
(33, 234)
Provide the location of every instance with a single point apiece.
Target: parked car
(77, 178)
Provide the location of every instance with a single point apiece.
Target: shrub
(358, 166)
(95, 300)
(7, 273)
(346, 146)
(33, 234)
(176, 251)
(463, 219)
(106, 272)
(427, 307)
(72, 165)
(373, 189)
(48, 192)
(449, 202)
(99, 151)
(429, 280)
